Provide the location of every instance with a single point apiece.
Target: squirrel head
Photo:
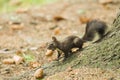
(53, 44)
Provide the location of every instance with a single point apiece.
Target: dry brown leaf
(34, 64)
(38, 73)
(84, 19)
(105, 1)
(58, 18)
(16, 27)
(8, 61)
(57, 31)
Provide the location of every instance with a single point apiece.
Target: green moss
(28, 56)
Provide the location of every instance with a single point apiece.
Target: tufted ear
(54, 38)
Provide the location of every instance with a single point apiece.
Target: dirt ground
(27, 31)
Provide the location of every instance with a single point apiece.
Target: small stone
(38, 73)
(49, 53)
(18, 59)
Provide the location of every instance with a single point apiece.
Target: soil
(27, 32)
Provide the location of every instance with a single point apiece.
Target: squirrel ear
(54, 38)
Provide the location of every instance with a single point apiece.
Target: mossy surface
(105, 54)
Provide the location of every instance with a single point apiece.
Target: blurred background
(11, 5)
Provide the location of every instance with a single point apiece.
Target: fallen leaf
(34, 64)
(57, 31)
(84, 19)
(8, 61)
(16, 27)
(58, 18)
(105, 1)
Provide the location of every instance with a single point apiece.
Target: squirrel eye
(52, 44)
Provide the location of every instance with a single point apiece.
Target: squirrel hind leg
(90, 37)
(101, 36)
(101, 33)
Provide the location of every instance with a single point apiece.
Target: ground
(26, 32)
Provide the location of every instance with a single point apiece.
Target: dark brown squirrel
(75, 42)
(92, 27)
(66, 45)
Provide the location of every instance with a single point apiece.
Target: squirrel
(66, 45)
(92, 27)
